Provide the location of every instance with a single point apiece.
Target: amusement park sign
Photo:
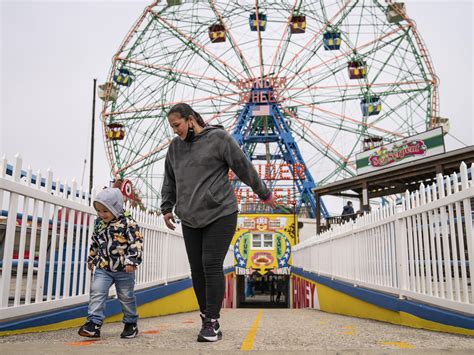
(273, 172)
(423, 145)
(267, 90)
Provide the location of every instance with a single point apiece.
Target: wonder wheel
(302, 86)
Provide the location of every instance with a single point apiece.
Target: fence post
(71, 215)
(401, 249)
(165, 255)
(9, 237)
(465, 183)
(44, 242)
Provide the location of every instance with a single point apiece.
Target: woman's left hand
(271, 202)
(129, 268)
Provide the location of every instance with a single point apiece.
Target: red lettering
(276, 193)
(295, 292)
(289, 199)
(270, 172)
(238, 194)
(313, 288)
(283, 171)
(298, 171)
(244, 97)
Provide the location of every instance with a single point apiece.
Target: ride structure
(301, 85)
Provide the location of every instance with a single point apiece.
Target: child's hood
(112, 199)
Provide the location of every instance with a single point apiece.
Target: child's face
(103, 212)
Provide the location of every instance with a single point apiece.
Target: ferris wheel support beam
(248, 133)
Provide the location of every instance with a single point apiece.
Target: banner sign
(420, 146)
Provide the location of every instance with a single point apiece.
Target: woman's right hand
(169, 221)
(271, 201)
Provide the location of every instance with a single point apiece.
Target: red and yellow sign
(263, 242)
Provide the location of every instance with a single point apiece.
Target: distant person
(115, 252)
(197, 187)
(348, 212)
(272, 289)
(249, 291)
(280, 288)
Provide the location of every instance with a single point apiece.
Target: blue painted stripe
(391, 302)
(79, 311)
(23, 173)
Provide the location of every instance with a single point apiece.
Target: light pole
(91, 174)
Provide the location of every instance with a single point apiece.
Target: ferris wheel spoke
(234, 44)
(318, 34)
(170, 69)
(324, 151)
(169, 104)
(284, 33)
(357, 86)
(318, 137)
(155, 151)
(394, 115)
(259, 42)
(165, 145)
(219, 114)
(343, 55)
(149, 136)
(202, 48)
(343, 118)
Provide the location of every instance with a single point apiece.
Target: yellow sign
(263, 242)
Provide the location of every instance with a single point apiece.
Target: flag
(261, 110)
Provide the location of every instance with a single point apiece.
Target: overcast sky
(52, 50)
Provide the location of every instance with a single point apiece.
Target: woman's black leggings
(207, 248)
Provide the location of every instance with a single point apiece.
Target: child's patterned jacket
(116, 244)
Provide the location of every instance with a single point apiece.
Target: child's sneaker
(210, 331)
(90, 330)
(130, 330)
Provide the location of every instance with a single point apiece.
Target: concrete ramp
(267, 331)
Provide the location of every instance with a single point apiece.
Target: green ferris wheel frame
(169, 56)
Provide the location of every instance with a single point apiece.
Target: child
(115, 252)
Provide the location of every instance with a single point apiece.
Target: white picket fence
(44, 242)
(422, 249)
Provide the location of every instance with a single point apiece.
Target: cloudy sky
(52, 50)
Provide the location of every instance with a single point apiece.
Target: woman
(196, 184)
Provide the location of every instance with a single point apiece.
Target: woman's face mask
(190, 134)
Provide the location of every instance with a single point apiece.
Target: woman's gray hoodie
(196, 177)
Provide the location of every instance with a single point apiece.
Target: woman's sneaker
(130, 330)
(90, 330)
(210, 331)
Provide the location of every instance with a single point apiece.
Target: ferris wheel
(334, 74)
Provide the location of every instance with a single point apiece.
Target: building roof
(399, 178)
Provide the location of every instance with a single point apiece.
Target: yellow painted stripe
(247, 344)
(399, 344)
